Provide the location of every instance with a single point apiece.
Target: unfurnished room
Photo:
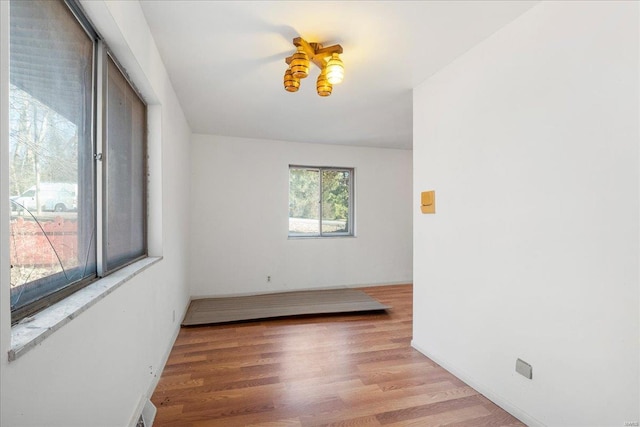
(319, 213)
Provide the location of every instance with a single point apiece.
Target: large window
(64, 163)
(320, 201)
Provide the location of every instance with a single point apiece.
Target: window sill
(32, 330)
(338, 236)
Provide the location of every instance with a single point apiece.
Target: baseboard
(373, 285)
(485, 391)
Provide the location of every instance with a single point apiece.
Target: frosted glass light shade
(335, 69)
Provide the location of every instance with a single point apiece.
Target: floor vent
(147, 416)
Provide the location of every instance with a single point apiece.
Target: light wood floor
(346, 370)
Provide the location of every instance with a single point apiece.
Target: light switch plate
(428, 202)
(524, 369)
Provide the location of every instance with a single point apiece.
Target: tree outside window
(320, 201)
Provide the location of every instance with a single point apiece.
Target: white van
(53, 196)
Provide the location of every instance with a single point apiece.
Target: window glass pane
(125, 204)
(50, 167)
(304, 197)
(335, 201)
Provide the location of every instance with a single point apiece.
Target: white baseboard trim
(372, 285)
(488, 393)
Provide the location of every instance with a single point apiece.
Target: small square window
(320, 201)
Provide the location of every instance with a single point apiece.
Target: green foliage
(304, 194)
(335, 195)
(304, 191)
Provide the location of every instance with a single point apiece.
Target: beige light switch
(428, 202)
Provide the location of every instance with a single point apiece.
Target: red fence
(30, 246)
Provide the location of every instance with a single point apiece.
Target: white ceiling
(226, 62)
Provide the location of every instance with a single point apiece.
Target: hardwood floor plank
(366, 421)
(344, 370)
(446, 418)
(438, 403)
(206, 411)
(294, 422)
(176, 382)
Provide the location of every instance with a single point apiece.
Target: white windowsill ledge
(29, 333)
(339, 236)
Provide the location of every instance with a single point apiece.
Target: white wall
(531, 143)
(96, 369)
(239, 218)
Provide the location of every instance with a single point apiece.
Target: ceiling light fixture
(291, 84)
(299, 64)
(335, 70)
(326, 58)
(323, 86)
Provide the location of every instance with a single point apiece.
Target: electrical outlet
(524, 369)
(268, 278)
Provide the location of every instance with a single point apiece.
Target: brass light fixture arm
(316, 53)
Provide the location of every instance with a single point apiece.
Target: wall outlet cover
(524, 369)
